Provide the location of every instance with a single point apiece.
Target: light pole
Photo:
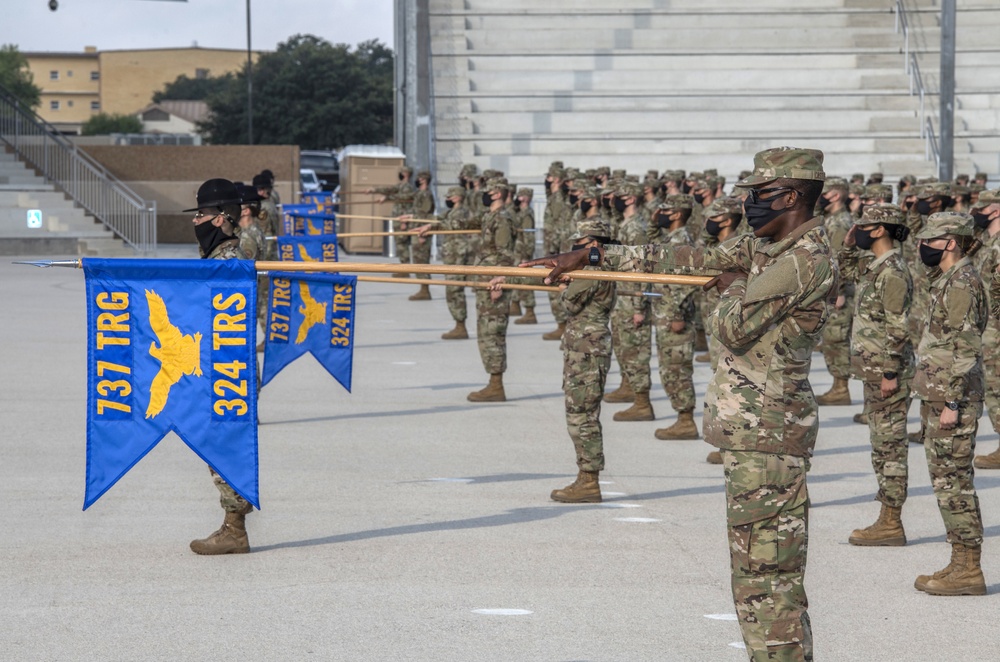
(249, 82)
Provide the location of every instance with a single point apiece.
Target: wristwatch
(595, 256)
(889, 375)
(951, 405)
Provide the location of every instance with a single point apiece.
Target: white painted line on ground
(738, 644)
(619, 505)
(640, 520)
(614, 494)
(450, 480)
(605, 482)
(721, 617)
(502, 612)
(404, 363)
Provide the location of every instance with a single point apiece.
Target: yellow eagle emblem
(178, 354)
(304, 254)
(313, 313)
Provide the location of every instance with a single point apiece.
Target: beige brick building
(76, 86)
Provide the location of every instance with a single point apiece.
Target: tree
(102, 124)
(16, 77)
(310, 93)
(192, 89)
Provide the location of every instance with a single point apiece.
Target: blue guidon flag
(311, 313)
(318, 248)
(171, 346)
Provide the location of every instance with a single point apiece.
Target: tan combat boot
(423, 294)
(585, 489)
(703, 358)
(684, 428)
(492, 393)
(515, 308)
(556, 334)
(642, 410)
(837, 395)
(963, 576)
(715, 457)
(623, 393)
(231, 538)
(458, 333)
(700, 341)
(887, 531)
(528, 318)
(861, 418)
(991, 461)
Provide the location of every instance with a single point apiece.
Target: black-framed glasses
(754, 194)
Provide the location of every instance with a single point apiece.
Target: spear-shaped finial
(45, 264)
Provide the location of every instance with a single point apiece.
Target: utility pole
(947, 153)
(249, 82)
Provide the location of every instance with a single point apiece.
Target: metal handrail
(931, 146)
(79, 175)
(912, 67)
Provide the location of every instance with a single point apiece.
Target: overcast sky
(125, 24)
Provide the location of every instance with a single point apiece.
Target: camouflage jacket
(251, 241)
(677, 302)
(760, 398)
(632, 232)
(496, 240)
(550, 222)
(227, 250)
(950, 354)
(401, 196)
(588, 304)
(524, 242)
(423, 204)
(837, 225)
(880, 338)
(269, 223)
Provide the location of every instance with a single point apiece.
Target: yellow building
(78, 85)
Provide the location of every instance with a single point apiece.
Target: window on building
(95, 105)
(95, 75)
(53, 105)
(155, 115)
(69, 103)
(201, 74)
(53, 75)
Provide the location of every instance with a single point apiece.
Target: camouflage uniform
(524, 245)
(230, 501)
(633, 345)
(719, 207)
(880, 343)
(423, 208)
(986, 261)
(950, 369)
(836, 339)
(586, 345)
(458, 249)
(252, 243)
(675, 351)
(401, 196)
(759, 408)
(496, 248)
(920, 273)
(552, 239)
(268, 221)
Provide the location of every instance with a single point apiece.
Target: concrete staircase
(691, 84)
(66, 229)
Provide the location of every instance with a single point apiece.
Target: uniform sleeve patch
(958, 304)
(894, 293)
(779, 279)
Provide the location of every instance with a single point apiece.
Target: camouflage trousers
(584, 376)
(230, 501)
(526, 297)
(263, 294)
(456, 252)
(949, 460)
(403, 243)
(421, 253)
(633, 347)
(767, 514)
(491, 330)
(676, 355)
(557, 307)
(890, 447)
(991, 372)
(836, 336)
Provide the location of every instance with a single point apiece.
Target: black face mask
(760, 213)
(923, 207)
(564, 188)
(517, 204)
(981, 220)
(450, 204)
(863, 239)
(586, 206)
(487, 200)
(401, 178)
(931, 256)
(573, 198)
(713, 227)
(699, 198)
(606, 203)
(824, 203)
(209, 237)
(620, 205)
(664, 221)
(686, 187)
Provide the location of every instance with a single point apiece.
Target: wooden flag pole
(401, 233)
(463, 270)
(415, 221)
(476, 284)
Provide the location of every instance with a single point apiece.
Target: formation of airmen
(903, 306)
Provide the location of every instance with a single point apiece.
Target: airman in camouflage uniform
(586, 346)
(219, 207)
(252, 242)
(631, 321)
(524, 250)
(401, 196)
(496, 248)
(760, 410)
(836, 345)
(931, 198)
(420, 246)
(269, 222)
(949, 382)
(552, 219)
(986, 216)
(722, 218)
(882, 357)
